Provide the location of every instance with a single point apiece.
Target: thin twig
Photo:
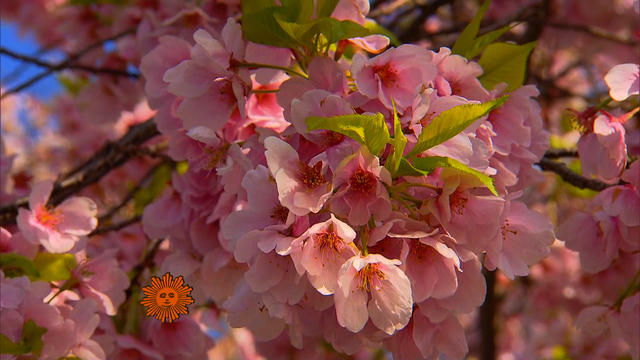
(62, 66)
(571, 177)
(70, 60)
(116, 226)
(109, 157)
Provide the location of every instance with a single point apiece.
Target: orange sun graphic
(167, 298)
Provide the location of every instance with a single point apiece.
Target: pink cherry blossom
(431, 266)
(302, 188)
(57, 229)
(327, 245)
(397, 73)
(102, 279)
(524, 238)
(603, 153)
(361, 193)
(373, 287)
(623, 81)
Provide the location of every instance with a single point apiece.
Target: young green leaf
(451, 122)
(32, 336)
(299, 11)
(54, 267)
(9, 347)
(325, 7)
(407, 169)
(483, 41)
(398, 142)
(31, 341)
(465, 41)
(369, 130)
(259, 24)
(504, 62)
(14, 265)
(431, 163)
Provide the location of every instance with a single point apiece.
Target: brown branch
(62, 66)
(593, 31)
(65, 63)
(487, 319)
(109, 157)
(115, 226)
(560, 153)
(571, 177)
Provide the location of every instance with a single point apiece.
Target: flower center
(332, 138)
(370, 277)
(387, 74)
(213, 156)
(311, 176)
(329, 241)
(280, 213)
(48, 218)
(421, 251)
(458, 201)
(505, 230)
(363, 181)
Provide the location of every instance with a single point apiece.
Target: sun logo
(167, 298)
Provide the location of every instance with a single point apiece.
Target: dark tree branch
(560, 153)
(115, 226)
(487, 319)
(571, 177)
(62, 66)
(109, 157)
(593, 31)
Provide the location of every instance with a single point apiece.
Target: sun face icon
(167, 297)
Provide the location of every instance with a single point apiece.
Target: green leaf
(451, 122)
(369, 130)
(407, 169)
(325, 7)
(259, 24)
(465, 41)
(483, 41)
(504, 62)
(298, 11)
(32, 336)
(31, 341)
(332, 29)
(54, 267)
(335, 30)
(9, 347)
(398, 142)
(14, 265)
(431, 163)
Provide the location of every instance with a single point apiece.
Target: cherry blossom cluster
(313, 235)
(313, 242)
